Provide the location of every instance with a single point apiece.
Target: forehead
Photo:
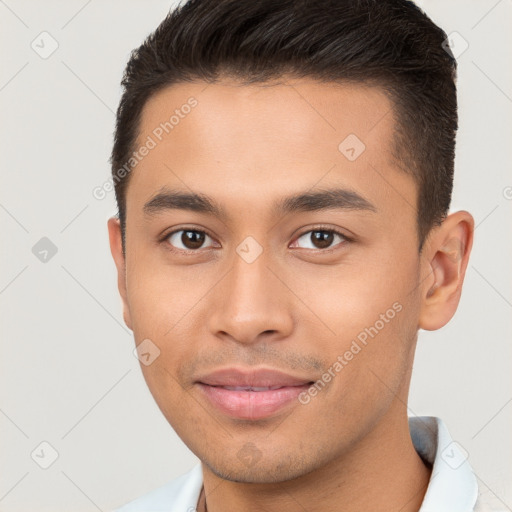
(299, 110)
(251, 142)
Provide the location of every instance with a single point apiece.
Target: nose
(251, 303)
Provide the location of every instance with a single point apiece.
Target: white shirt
(452, 488)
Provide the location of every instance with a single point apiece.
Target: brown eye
(320, 238)
(187, 239)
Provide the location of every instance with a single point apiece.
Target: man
(283, 173)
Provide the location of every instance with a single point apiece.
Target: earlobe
(114, 234)
(447, 257)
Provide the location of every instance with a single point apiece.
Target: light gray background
(68, 375)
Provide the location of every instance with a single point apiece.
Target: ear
(116, 248)
(446, 256)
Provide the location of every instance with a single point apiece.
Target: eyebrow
(323, 199)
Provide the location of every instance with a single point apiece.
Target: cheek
(163, 309)
(161, 297)
(370, 319)
(345, 300)
(370, 372)
(175, 402)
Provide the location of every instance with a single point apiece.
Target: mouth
(251, 388)
(251, 394)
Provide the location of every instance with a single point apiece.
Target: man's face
(260, 287)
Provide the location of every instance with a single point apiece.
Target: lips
(251, 394)
(251, 388)
(255, 378)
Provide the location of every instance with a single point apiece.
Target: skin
(298, 306)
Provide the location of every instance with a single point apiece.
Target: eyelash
(323, 229)
(326, 229)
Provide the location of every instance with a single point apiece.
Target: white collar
(453, 486)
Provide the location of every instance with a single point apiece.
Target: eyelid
(168, 234)
(328, 229)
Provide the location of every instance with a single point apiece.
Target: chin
(260, 473)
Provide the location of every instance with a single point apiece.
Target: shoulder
(178, 495)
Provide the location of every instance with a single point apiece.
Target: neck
(382, 472)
